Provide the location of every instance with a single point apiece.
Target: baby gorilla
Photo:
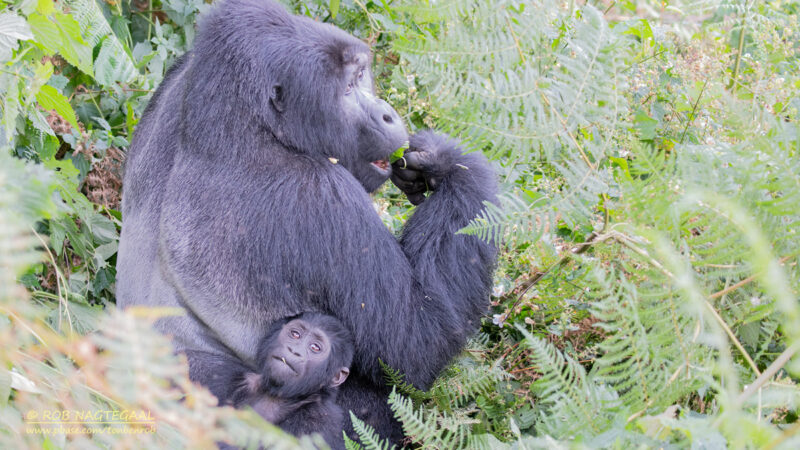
(303, 359)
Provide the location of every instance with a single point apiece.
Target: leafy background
(647, 291)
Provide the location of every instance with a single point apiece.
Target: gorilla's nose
(388, 114)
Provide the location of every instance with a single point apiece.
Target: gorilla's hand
(427, 162)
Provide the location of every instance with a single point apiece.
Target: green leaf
(12, 29)
(113, 64)
(130, 118)
(50, 98)
(622, 163)
(334, 6)
(105, 251)
(103, 230)
(10, 106)
(64, 166)
(641, 29)
(398, 153)
(61, 34)
(44, 7)
(646, 126)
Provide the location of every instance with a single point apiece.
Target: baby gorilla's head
(305, 354)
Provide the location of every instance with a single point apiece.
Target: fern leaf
(367, 435)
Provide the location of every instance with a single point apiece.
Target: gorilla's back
(147, 168)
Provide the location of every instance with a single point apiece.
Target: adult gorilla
(246, 201)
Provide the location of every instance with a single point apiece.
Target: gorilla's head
(307, 83)
(304, 354)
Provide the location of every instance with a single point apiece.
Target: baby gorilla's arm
(276, 410)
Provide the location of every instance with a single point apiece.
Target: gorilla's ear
(340, 376)
(276, 98)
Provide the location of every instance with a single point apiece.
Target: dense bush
(647, 293)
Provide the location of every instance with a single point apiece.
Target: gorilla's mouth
(283, 360)
(381, 164)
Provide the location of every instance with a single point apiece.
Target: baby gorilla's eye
(295, 334)
(349, 88)
(316, 348)
(361, 74)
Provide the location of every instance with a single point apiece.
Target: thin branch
(732, 86)
(61, 284)
(732, 337)
(773, 368)
(747, 280)
(577, 250)
(623, 239)
(514, 35)
(694, 109)
(566, 128)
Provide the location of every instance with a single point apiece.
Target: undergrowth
(647, 290)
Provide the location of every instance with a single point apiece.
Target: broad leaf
(61, 33)
(50, 98)
(12, 29)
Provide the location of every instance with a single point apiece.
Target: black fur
(245, 204)
(305, 407)
(314, 413)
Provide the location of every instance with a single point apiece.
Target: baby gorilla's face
(300, 351)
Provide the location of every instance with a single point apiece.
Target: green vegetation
(647, 291)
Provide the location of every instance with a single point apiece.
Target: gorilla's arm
(323, 417)
(414, 303)
(224, 376)
(462, 183)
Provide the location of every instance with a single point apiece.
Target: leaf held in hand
(398, 153)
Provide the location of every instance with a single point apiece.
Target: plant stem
(773, 368)
(514, 35)
(732, 85)
(733, 337)
(694, 110)
(743, 282)
(577, 250)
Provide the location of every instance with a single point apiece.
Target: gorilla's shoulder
(331, 184)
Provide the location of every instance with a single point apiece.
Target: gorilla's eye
(316, 348)
(295, 334)
(361, 75)
(349, 89)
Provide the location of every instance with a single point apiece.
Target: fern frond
(367, 435)
(572, 403)
(398, 380)
(526, 86)
(428, 427)
(350, 444)
(113, 62)
(466, 384)
(650, 348)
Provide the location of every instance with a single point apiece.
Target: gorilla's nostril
(387, 118)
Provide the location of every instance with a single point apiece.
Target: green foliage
(668, 194)
(648, 218)
(367, 436)
(457, 409)
(521, 85)
(125, 366)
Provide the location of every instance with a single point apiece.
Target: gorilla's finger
(418, 160)
(416, 199)
(410, 186)
(407, 174)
